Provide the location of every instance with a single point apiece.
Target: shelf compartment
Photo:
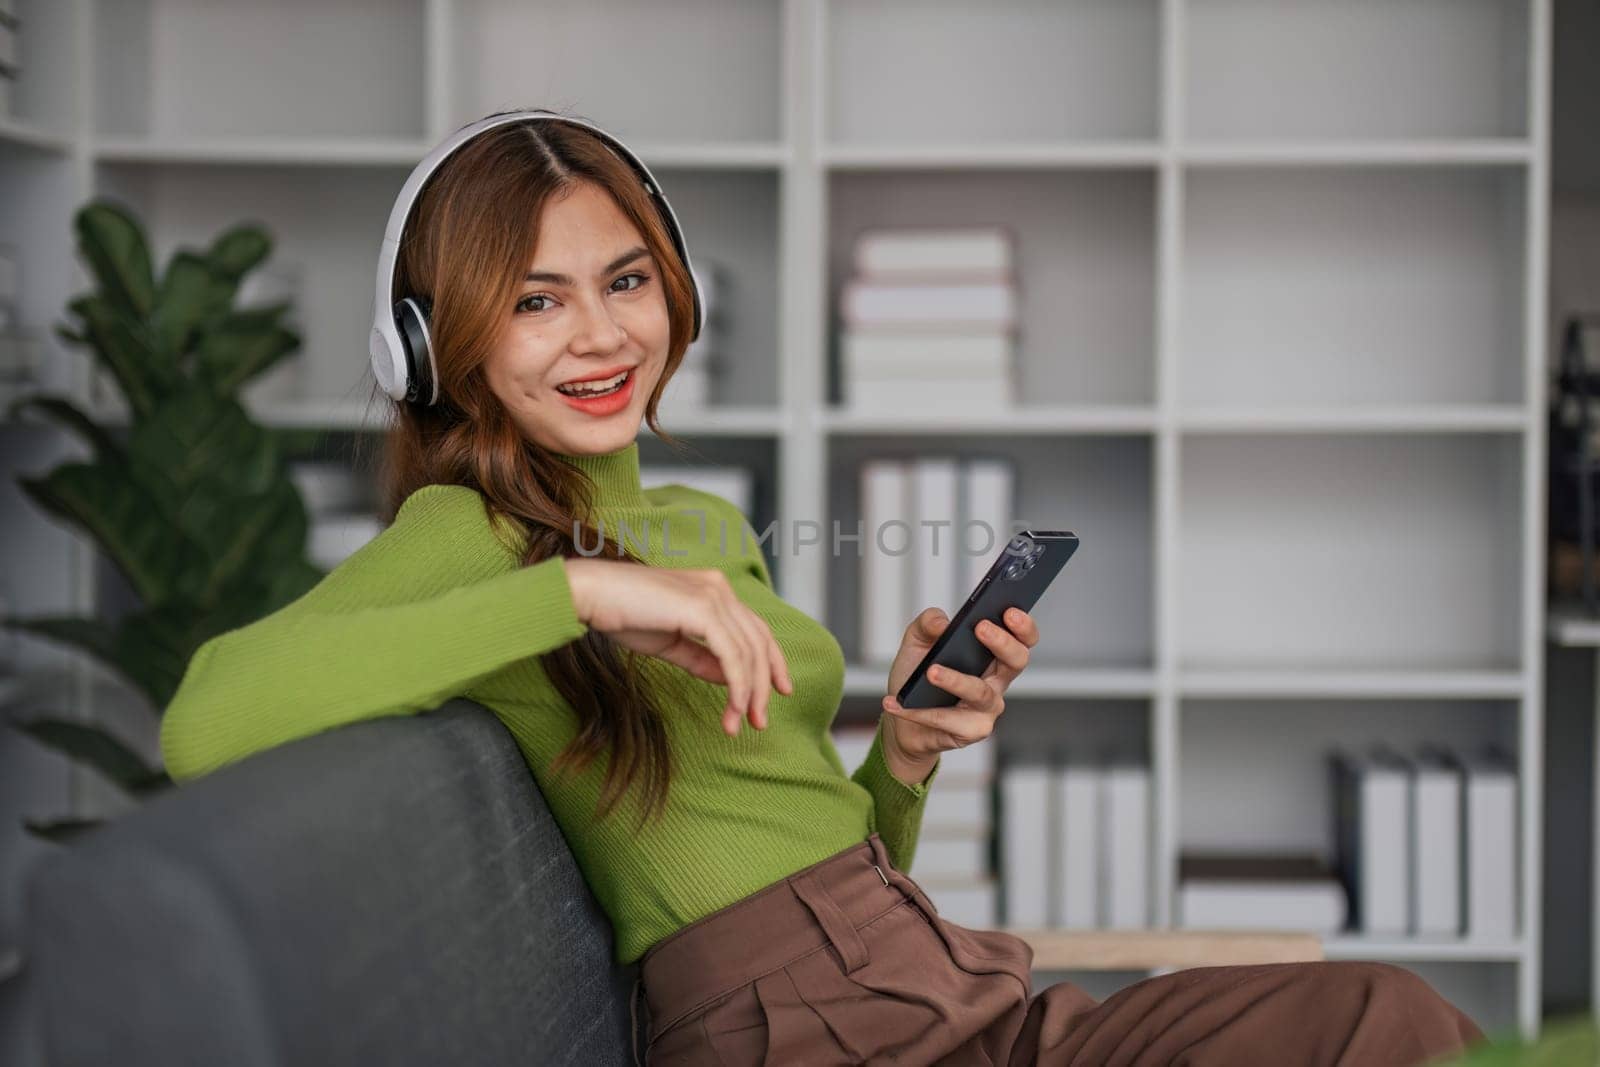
(731, 218)
(191, 69)
(1098, 615)
(1350, 553)
(1352, 287)
(1085, 268)
(325, 223)
(1233, 753)
(908, 72)
(1270, 69)
(705, 71)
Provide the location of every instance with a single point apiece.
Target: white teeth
(610, 385)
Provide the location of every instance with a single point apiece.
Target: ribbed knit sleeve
(414, 618)
(897, 805)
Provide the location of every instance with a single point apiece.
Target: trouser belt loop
(840, 930)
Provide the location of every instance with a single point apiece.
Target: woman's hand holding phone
(689, 617)
(916, 736)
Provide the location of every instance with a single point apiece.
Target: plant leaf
(106, 502)
(122, 346)
(193, 296)
(238, 350)
(111, 240)
(69, 415)
(92, 746)
(97, 638)
(61, 831)
(239, 250)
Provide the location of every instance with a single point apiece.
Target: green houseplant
(192, 501)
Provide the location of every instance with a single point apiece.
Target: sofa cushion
(394, 891)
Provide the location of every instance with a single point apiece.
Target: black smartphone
(1025, 567)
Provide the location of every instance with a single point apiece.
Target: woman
(759, 884)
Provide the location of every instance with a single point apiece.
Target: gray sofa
(394, 891)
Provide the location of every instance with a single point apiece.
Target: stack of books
(929, 320)
(952, 860)
(1428, 846)
(691, 387)
(930, 529)
(1075, 844)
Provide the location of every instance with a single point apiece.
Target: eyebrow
(616, 264)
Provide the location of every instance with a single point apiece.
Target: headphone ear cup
(411, 322)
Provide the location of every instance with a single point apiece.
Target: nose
(597, 329)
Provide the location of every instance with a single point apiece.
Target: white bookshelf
(1283, 285)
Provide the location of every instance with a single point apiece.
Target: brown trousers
(848, 961)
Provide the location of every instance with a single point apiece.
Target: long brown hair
(468, 241)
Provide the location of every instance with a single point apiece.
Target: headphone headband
(399, 375)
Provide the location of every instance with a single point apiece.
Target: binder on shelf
(888, 539)
(1490, 786)
(1373, 829)
(960, 805)
(1436, 832)
(985, 526)
(1125, 846)
(934, 491)
(1025, 843)
(1260, 892)
(1075, 904)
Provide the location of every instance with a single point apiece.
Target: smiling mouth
(587, 389)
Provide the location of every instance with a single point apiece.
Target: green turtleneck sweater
(436, 606)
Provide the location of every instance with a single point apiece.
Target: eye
(522, 304)
(642, 279)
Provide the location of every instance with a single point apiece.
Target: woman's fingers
(969, 687)
(1010, 653)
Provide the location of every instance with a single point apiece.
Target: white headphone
(402, 352)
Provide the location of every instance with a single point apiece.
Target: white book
(1490, 787)
(1375, 840)
(1247, 892)
(887, 543)
(972, 902)
(934, 490)
(927, 396)
(974, 764)
(914, 251)
(985, 529)
(1025, 843)
(1436, 884)
(1075, 904)
(959, 805)
(1124, 847)
(879, 355)
(928, 306)
(961, 854)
